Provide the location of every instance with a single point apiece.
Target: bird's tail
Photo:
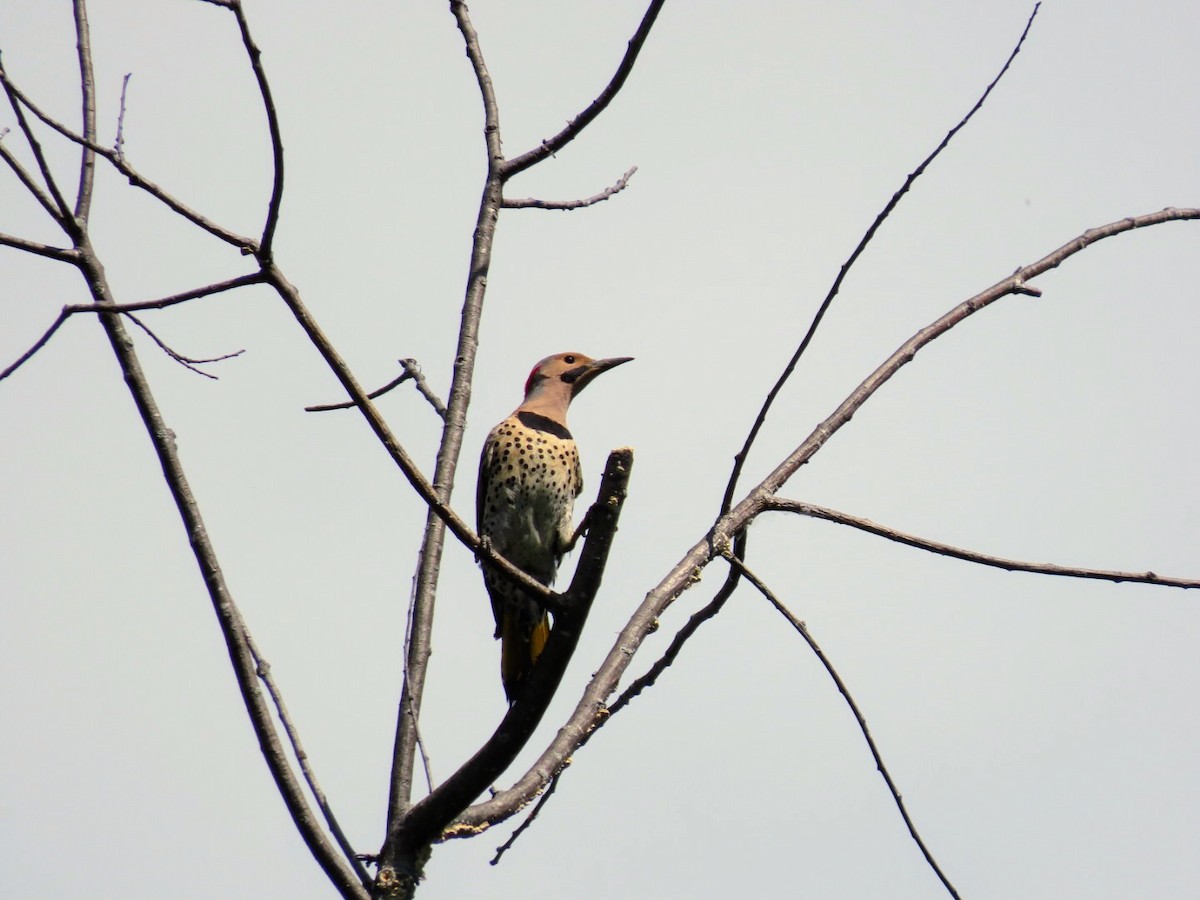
(521, 643)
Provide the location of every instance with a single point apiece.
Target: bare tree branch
(263, 668)
(162, 438)
(67, 311)
(411, 371)
(552, 145)
(529, 819)
(245, 670)
(186, 361)
(534, 203)
(781, 504)
(266, 245)
(119, 143)
(247, 245)
(426, 765)
(412, 827)
(639, 684)
(373, 395)
(61, 254)
(273, 276)
(37, 345)
(87, 86)
(58, 210)
(739, 459)
(858, 716)
(436, 494)
(1017, 283)
(698, 618)
(30, 185)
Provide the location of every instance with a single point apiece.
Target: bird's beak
(582, 376)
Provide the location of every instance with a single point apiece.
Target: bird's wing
(485, 464)
(480, 488)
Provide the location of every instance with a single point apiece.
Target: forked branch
(162, 303)
(411, 371)
(406, 847)
(739, 459)
(591, 710)
(120, 163)
(190, 363)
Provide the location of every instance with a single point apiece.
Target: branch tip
(534, 203)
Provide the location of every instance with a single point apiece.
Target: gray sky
(1043, 732)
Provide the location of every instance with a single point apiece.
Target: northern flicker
(529, 477)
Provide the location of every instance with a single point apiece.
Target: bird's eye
(569, 359)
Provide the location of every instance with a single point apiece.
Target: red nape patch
(533, 373)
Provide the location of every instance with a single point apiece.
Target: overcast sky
(1043, 732)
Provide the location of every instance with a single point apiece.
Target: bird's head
(566, 374)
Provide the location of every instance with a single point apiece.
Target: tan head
(558, 379)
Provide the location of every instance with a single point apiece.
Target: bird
(529, 477)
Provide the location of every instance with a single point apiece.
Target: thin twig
(534, 203)
(664, 662)
(858, 716)
(529, 819)
(217, 287)
(412, 710)
(350, 404)
(263, 669)
(739, 459)
(61, 254)
(37, 345)
(698, 618)
(119, 143)
(186, 361)
(550, 146)
(831, 515)
(411, 372)
(59, 210)
(266, 244)
(32, 186)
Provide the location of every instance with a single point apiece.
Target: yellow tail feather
(519, 650)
